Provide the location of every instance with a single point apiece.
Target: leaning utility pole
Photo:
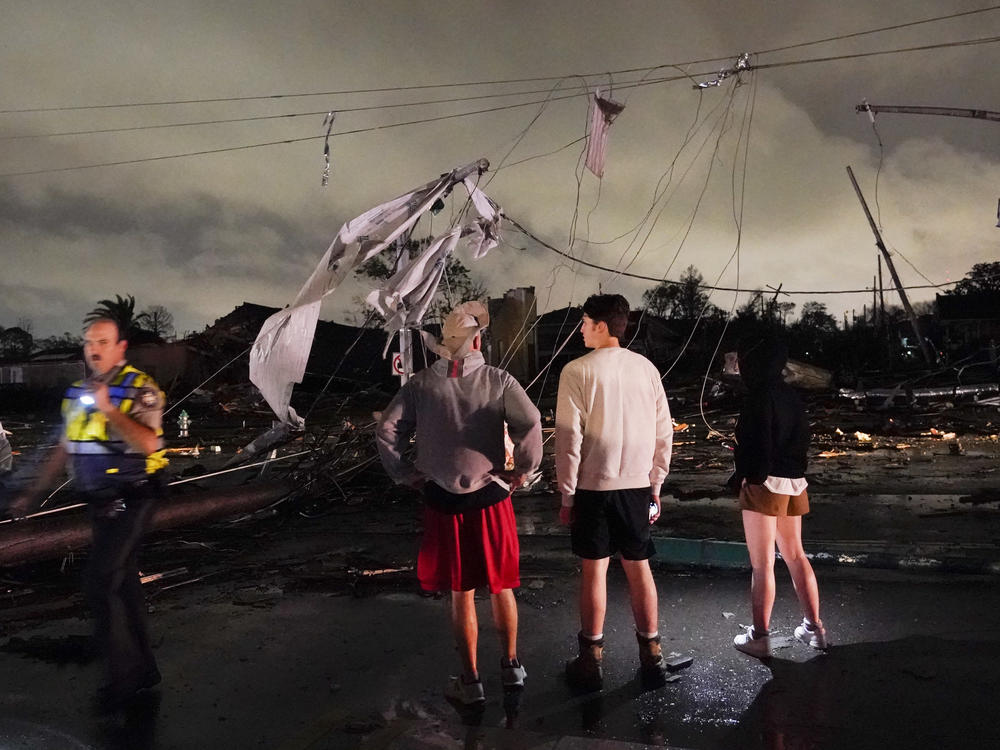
(892, 270)
(978, 114)
(881, 294)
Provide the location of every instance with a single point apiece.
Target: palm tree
(120, 309)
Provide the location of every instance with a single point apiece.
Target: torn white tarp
(403, 300)
(602, 113)
(484, 233)
(278, 357)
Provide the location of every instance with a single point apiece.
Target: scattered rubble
(945, 438)
(901, 395)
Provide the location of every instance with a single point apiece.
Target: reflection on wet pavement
(133, 727)
(912, 692)
(25, 735)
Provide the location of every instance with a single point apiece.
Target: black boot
(650, 662)
(584, 672)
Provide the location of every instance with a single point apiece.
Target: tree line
(153, 324)
(815, 335)
(875, 339)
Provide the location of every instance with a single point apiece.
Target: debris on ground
(160, 576)
(944, 438)
(258, 596)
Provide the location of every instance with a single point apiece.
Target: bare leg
(760, 534)
(789, 529)
(593, 595)
(505, 619)
(466, 629)
(642, 593)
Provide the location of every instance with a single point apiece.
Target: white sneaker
(748, 643)
(812, 635)
(512, 676)
(466, 693)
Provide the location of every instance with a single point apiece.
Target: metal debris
(160, 576)
(677, 663)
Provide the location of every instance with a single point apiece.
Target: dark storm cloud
(203, 234)
(48, 311)
(185, 226)
(829, 91)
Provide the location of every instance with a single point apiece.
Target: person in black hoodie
(772, 437)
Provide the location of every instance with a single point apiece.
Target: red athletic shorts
(465, 551)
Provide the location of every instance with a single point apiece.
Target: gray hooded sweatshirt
(457, 409)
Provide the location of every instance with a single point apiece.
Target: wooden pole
(892, 270)
(45, 537)
(881, 293)
(874, 306)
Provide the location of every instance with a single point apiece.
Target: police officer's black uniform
(121, 486)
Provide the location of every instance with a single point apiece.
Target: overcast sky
(201, 234)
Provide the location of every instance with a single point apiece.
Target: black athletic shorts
(610, 521)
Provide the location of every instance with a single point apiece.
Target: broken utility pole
(40, 537)
(892, 271)
(978, 114)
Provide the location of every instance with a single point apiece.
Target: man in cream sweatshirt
(613, 443)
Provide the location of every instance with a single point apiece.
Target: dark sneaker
(111, 698)
(512, 675)
(466, 693)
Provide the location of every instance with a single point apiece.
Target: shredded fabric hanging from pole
(279, 354)
(403, 299)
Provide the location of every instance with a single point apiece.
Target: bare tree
(157, 320)
(681, 300)
(15, 343)
(814, 316)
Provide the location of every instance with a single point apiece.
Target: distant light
(87, 400)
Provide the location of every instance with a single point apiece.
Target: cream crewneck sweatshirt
(613, 426)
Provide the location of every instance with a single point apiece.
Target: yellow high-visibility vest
(87, 437)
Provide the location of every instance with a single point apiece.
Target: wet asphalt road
(915, 663)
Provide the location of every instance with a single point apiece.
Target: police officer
(113, 441)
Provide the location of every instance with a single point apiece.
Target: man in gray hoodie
(457, 408)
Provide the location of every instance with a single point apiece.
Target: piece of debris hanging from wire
(602, 114)
(328, 123)
(742, 63)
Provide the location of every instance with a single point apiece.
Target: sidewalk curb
(719, 554)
